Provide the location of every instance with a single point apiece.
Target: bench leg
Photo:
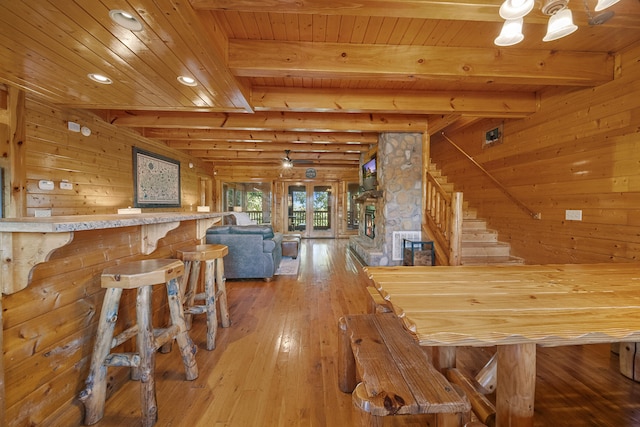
(450, 420)
(346, 361)
(368, 420)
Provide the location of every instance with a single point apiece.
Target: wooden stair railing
(532, 214)
(444, 219)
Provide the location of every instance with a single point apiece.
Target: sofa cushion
(266, 231)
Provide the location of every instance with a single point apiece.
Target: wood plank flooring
(276, 365)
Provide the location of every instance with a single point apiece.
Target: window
(254, 198)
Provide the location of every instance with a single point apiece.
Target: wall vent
(396, 254)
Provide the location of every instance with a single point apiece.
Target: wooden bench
(394, 373)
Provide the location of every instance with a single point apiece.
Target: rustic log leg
(628, 352)
(94, 395)
(222, 292)
(368, 420)
(187, 347)
(147, 350)
(482, 407)
(210, 304)
(487, 375)
(516, 385)
(346, 361)
(450, 420)
(192, 274)
(444, 358)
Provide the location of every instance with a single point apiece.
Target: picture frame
(156, 180)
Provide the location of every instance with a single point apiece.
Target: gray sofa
(255, 251)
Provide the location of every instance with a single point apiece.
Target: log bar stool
(140, 275)
(212, 255)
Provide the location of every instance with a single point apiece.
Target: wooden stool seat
(140, 275)
(212, 255)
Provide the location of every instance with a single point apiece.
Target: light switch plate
(44, 184)
(573, 215)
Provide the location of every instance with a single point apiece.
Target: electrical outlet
(573, 215)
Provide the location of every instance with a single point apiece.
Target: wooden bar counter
(51, 297)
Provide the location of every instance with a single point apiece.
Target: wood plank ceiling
(318, 77)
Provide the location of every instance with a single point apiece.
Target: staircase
(480, 245)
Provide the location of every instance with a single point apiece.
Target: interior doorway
(311, 209)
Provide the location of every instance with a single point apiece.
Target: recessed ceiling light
(125, 19)
(100, 78)
(187, 81)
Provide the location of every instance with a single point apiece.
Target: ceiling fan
(288, 162)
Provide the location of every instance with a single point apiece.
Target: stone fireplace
(394, 210)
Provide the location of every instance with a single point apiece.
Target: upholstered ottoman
(291, 245)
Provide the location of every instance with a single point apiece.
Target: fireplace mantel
(371, 194)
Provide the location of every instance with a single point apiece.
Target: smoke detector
(550, 7)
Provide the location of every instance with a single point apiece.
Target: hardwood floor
(276, 365)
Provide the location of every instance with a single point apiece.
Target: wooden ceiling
(318, 77)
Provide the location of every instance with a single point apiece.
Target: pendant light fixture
(603, 4)
(511, 33)
(514, 9)
(560, 21)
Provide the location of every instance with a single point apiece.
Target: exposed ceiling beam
(267, 146)
(473, 10)
(487, 104)
(214, 135)
(627, 15)
(305, 122)
(273, 155)
(278, 59)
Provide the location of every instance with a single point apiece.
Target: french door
(311, 209)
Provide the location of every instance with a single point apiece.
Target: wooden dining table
(515, 308)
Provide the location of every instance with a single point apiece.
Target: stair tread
(476, 244)
(484, 260)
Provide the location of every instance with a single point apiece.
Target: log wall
(99, 166)
(581, 151)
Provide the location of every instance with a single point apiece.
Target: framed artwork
(156, 180)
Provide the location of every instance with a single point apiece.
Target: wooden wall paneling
(49, 326)
(580, 151)
(99, 167)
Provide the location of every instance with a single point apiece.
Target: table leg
(444, 358)
(516, 385)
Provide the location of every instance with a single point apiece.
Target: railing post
(455, 231)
